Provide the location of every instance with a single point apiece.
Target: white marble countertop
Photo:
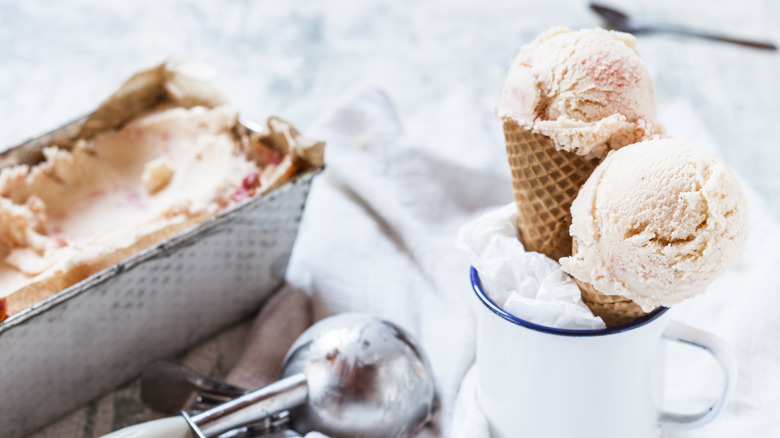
(292, 59)
(58, 59)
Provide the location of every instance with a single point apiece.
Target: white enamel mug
(542, 382)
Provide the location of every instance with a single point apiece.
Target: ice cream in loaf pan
(163, 153)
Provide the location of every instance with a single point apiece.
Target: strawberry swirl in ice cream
(162, 154)
(657, 222)
(587, 90)
(163, 168)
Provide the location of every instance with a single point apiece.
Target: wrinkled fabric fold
(378, 235)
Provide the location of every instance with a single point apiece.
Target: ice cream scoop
(587, 90)
(657, 222)
(348, 375)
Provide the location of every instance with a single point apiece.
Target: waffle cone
(545, 182)
(613, 309)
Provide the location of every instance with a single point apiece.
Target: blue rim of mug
(477, 286)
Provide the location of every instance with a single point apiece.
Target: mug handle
(722, 353)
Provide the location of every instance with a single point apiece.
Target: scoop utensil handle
(166, 386)
(240, 412)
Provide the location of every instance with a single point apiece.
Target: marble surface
(58, 59)
(293, 59)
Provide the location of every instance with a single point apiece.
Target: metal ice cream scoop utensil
(618, 20)
(348, 375)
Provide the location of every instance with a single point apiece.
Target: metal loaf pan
(87, 339)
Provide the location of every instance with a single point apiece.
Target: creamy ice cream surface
(657, 222)
(588, 90)
(162, 154)
(165, 167)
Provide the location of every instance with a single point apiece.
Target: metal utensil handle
(170, 427)
(722, 353)
(711, 36)
(249, 408)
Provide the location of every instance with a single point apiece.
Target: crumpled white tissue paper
(529, 285)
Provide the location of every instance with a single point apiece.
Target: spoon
(166, 386)
(620, 21)
(348, 375)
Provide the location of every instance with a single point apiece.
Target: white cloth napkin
(378, 235)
